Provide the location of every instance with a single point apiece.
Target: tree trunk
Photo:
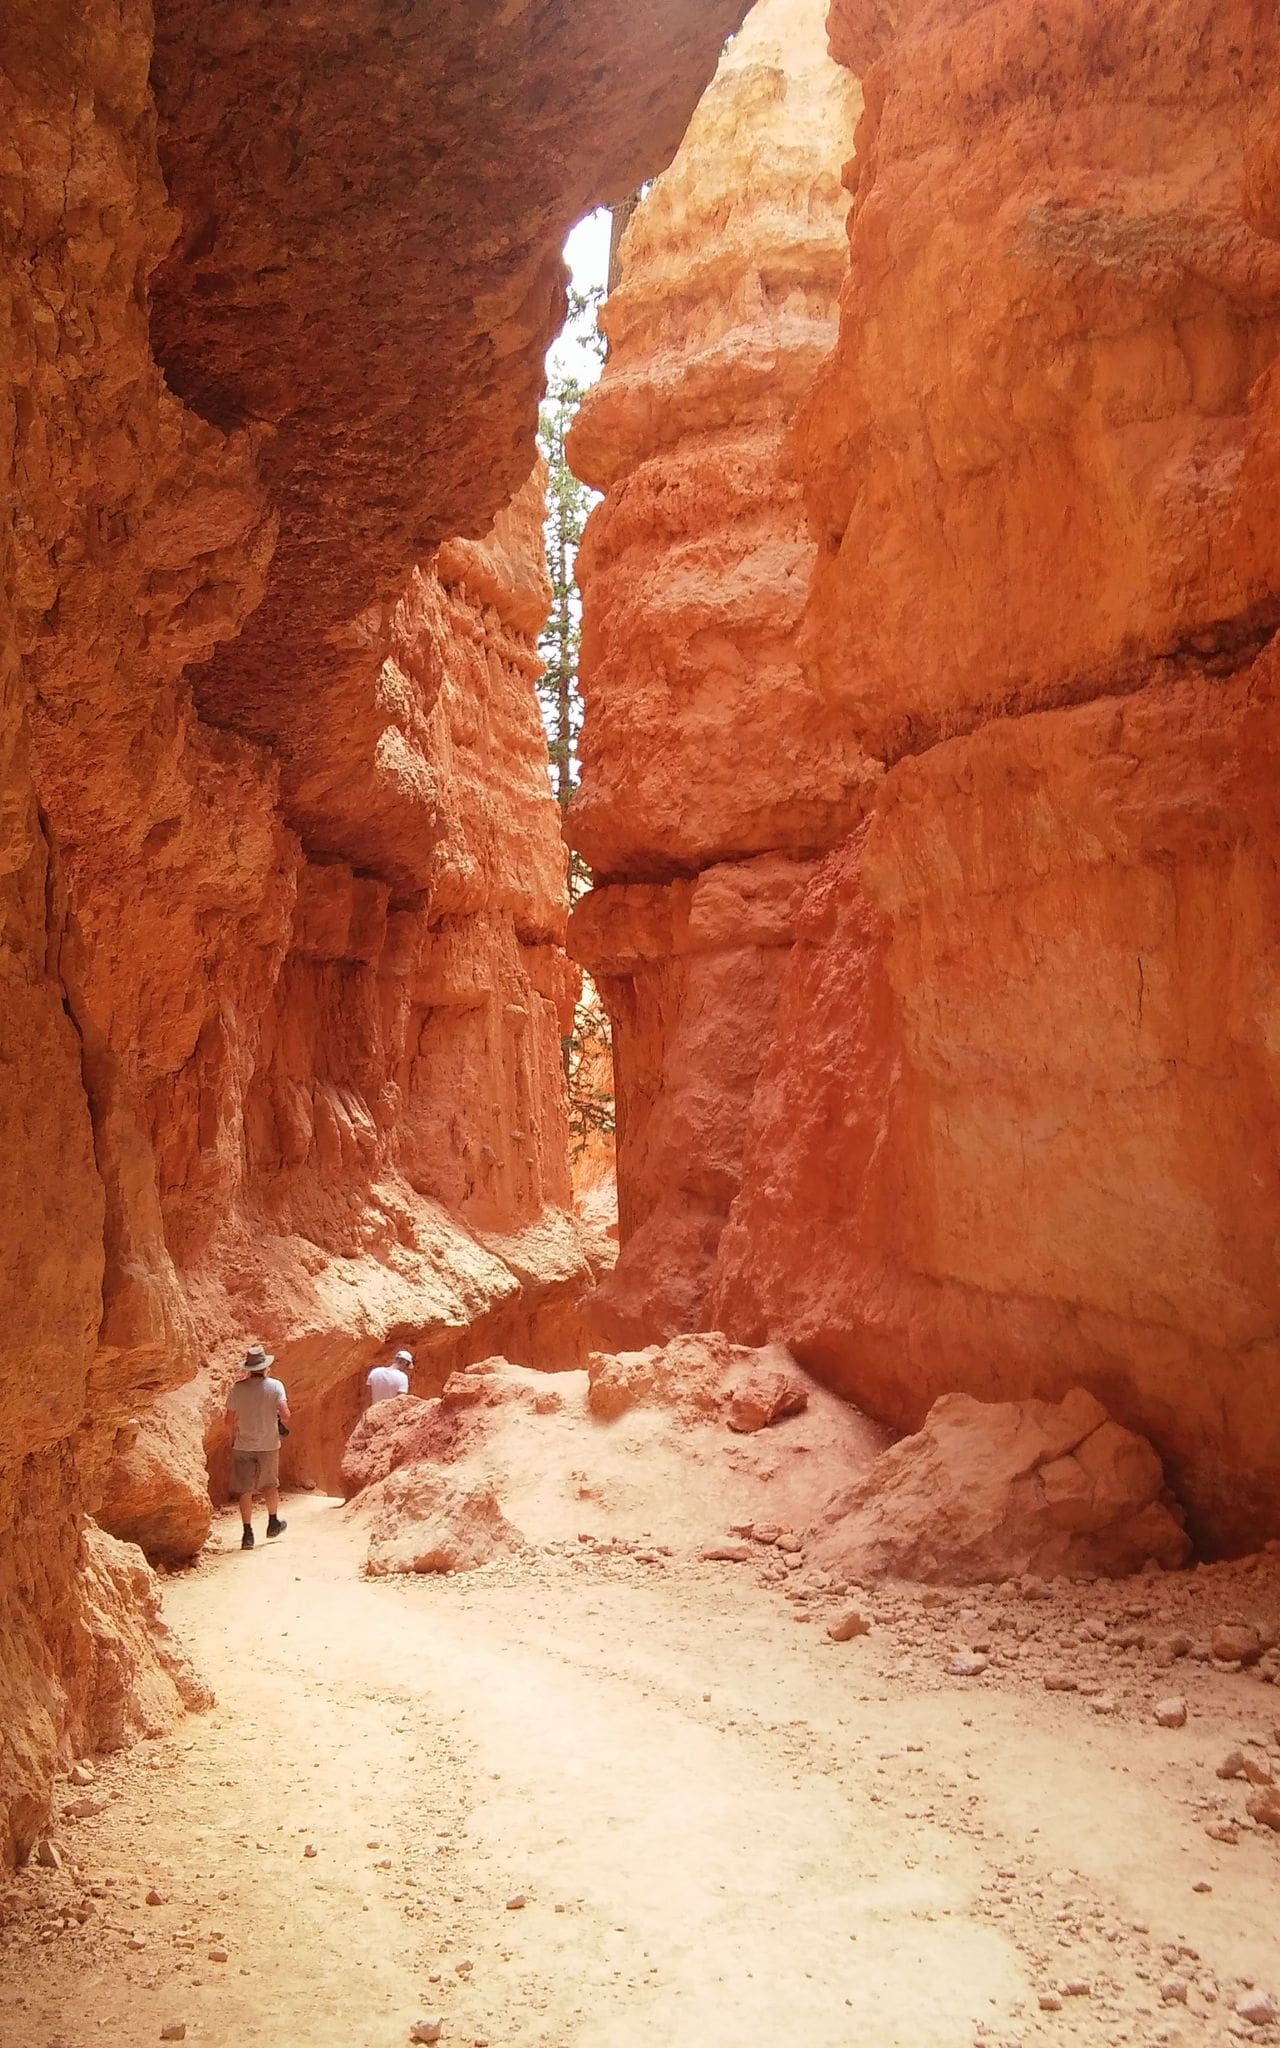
(620, 215)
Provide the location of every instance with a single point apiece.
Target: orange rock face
(1024, 457)
(1039, 1142)
(359, 1161)
(1009, 1121)
(368, 266)
(1017, 1128)
(281, 968)
(691, 975)
(712, 771)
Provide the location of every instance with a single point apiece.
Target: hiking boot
(275, 1527)
(246, 1540)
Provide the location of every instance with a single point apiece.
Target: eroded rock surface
(989, 1490)
(281, 957)
(132, 1677)
(691, 973)
(1009, 1119)
(713, 772)
(368, 268)
(1018, 1122)
(1048, 343)
(1016, 1128)
(380, 1146)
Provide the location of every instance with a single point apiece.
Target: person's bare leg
(246, 1509)
(272, 1498)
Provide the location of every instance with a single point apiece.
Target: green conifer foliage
(587, 1049)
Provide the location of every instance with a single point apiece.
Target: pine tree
(568, 503)
(587, 1048)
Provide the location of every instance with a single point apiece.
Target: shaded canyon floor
(725, 1826)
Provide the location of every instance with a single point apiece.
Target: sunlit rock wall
(713, 772)
(280, 924)
(1017, 1129)
(1001, 1099)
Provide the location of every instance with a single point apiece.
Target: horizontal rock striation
(713, 773)
(281, 925)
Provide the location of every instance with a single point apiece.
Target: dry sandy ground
(727, 1830)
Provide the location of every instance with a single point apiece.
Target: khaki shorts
(254, 1471)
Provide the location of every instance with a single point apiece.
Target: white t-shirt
(385, 1382)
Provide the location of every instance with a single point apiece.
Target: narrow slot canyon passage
(639, 1113)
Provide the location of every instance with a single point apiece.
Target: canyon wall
(281, 920)
(713, 772)
(1019, 1122)
(398, 1151)
(1015, 1126)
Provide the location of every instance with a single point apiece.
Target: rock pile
(702, 1377)
(657, 1448)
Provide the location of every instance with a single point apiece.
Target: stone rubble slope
(644, 1450)
(693, 1442)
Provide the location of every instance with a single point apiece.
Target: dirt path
(727, 1830)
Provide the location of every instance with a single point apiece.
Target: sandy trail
(726, 1828)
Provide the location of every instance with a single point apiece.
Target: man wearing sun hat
(259, 1408)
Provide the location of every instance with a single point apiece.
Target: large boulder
(390, 1434)
(989, 1489)
(426, 1521)
(156, 1485)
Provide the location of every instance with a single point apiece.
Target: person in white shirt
(388, 1381)
(259, 1408)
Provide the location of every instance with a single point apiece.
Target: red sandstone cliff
(989, 1084)
(1018, 1126)
(281, 922)
(397, 1159)
(713, 773)
(1016, 1123)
